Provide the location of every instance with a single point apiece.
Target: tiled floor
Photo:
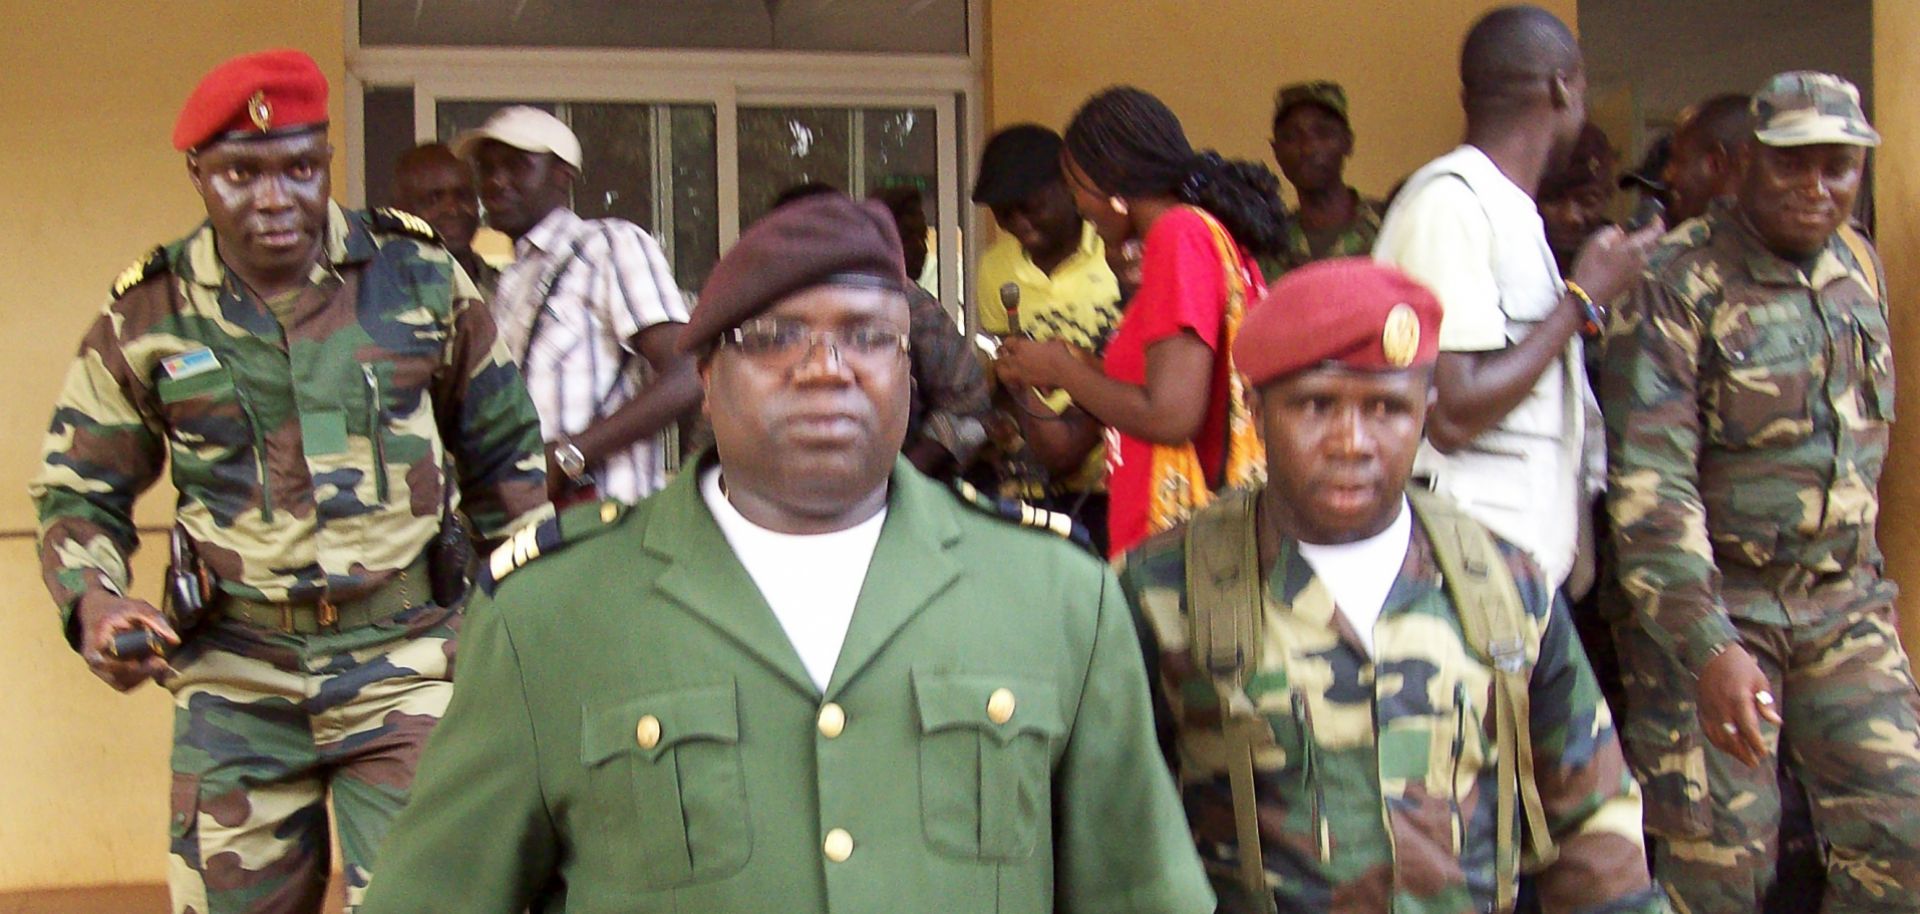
(116, 900)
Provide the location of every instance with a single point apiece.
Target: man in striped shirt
(590, 311)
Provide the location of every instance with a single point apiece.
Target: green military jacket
(1376, 793)
(307, 447)
(1749, 403)
(1356, 240)
(631, 731)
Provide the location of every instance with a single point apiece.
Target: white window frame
(952, 85)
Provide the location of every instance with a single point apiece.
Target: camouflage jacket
(951, 400)
(305, 459)
(1378, 793)
(1355, 241)
(1748, 406)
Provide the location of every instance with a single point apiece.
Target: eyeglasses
(787, 343)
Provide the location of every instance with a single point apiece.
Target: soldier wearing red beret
(310, 377)
(1360, 678)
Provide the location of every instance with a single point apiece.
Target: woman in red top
(1178, 428)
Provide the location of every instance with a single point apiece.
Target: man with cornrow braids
(1178, 428)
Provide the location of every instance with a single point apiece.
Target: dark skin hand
(674, 393)
(1063, 441)
(1475, 390)
(1168, 409)
(1729, 692)
(99, 616)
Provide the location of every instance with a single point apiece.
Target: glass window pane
(694, 177)
(889, 26)
(388, 122)
(898, 149)
(782, 147)
(616, 177)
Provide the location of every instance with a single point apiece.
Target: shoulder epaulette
(1026, 515)
(153, 264)
(400, 222)
(534, 540)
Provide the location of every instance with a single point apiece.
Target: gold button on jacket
(833, 720)
(892, 789)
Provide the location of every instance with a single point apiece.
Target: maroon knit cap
(803, 244)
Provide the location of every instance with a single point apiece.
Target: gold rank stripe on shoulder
(143, 269)
(534, 540)
(1026, 515)
(387, 218)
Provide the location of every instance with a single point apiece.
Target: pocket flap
(949, 701)
(171, 390)
(652, 724)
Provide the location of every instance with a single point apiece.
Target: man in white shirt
(1513, 435)
(590, 311)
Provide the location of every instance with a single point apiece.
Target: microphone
(1010, 300)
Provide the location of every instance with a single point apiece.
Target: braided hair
(1132, 145)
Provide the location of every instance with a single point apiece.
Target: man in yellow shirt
(1046, 277)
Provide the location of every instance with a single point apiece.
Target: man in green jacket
(803, 677)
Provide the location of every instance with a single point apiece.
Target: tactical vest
(1225, 607)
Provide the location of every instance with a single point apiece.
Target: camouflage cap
(1323, 92)
(1806, 108)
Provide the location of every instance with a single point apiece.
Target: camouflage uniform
(1356, 240)
(1748, 402)
(308, 460)
(950, 398)
(1380, 796)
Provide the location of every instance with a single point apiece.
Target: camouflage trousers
(266, 725)
(1852, 736)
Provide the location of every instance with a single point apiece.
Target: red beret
(799, 245)
(1350, 311)
(256, 94)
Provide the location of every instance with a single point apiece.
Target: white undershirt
(1359, 575)
(811, 581)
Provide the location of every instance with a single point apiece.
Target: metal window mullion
(857, 152)
(726, 150)
(663, 228)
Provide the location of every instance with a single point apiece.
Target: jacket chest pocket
(208, 422)
(986, 761)
(1757, 396)
(665, 784)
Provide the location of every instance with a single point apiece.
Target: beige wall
(1896, 112)
(1217, 64)
(88, 98)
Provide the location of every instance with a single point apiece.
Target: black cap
(1017, 161)
(1647, 175)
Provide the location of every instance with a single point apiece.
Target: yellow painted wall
(87, 103)
(1896, 112)
(1217, 64)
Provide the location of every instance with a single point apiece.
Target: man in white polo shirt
(1513, 435)
(589, 310)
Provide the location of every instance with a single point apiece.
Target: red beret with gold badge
(253, 95)
(1349, 311)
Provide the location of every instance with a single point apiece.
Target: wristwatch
(567, 456)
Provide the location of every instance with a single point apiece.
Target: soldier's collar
(346, 241)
